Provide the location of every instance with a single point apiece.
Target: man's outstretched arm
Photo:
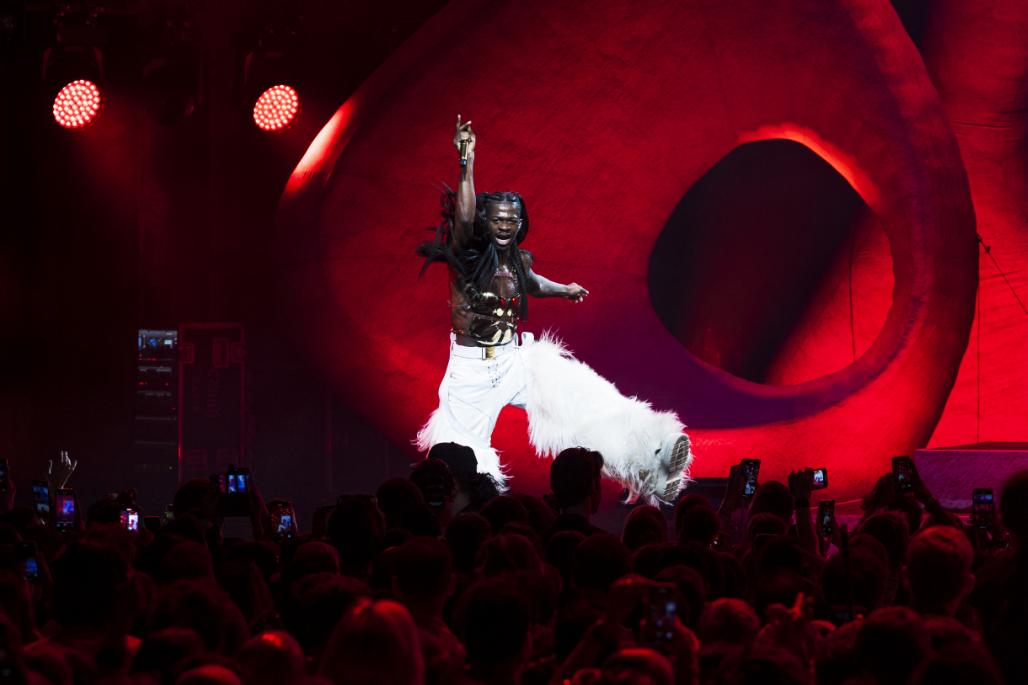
(465, 214)
(540, 286)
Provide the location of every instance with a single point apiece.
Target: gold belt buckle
(490, 352)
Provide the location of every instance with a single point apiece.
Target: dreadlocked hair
(477, 262)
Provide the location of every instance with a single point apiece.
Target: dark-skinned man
(492, 366)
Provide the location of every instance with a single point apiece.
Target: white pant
(568, 405)
(474, 391)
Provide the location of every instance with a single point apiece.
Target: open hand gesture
(61, 469)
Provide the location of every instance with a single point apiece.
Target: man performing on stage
(568, 404)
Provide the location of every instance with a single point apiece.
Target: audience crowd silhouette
(439, 579)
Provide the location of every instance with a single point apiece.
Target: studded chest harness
(491, 316)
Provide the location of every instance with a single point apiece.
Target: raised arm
(465, 219)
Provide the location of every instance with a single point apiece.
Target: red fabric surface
(604, 115)
(977, 57)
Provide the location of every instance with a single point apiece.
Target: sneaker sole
(679, 460)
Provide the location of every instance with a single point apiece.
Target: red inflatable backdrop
(766, 200)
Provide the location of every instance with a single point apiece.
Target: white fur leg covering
(440, 428)
(570, 405)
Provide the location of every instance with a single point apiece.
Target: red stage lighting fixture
(77, 104)
(276, 108)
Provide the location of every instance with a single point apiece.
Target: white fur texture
(570, 405)
(438, 429)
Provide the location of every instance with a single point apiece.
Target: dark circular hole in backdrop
(747, 250)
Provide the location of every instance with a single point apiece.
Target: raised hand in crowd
(792, 629)
(732, 511)
(801, 485)
(60, 471)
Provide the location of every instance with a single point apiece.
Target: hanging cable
(978, 343)
(1003, 274)
(978, 364)
(853, 324)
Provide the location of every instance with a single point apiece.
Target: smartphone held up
(661, 606)
(283, 520)
(983, 508)
(235, 487)
(130, 519)
(750, 471)
(41, 499)
(826, 518)
(903, 473)
(66, 514)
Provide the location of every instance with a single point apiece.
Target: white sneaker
(675, 458)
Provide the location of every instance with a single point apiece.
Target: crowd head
(439, 578)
